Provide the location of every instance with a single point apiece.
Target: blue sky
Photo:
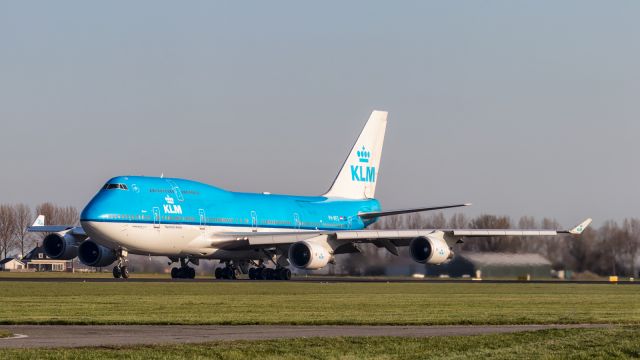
(523, 108)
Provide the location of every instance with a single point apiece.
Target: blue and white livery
(260, 234)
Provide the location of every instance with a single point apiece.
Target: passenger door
(156, 217)
(254, 221)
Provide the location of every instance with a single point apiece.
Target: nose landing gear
(121, 270)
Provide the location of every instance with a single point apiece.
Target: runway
(318, 279)
(50, 336)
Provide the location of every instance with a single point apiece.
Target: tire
(267, 274)
(258, 273)
(117, 272)
(175, 273)
(191, 273)
(284, 274)
(252, 273)
(125, 272)
(227, 273)
(218, 273)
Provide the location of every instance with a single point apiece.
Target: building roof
(2, 262)
(34, 254)
(505, 259)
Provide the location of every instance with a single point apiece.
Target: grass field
(5, 333)
(620, 342)
(315, 303)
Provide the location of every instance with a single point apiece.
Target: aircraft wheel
(218, 273)
(191, 273)
(267, 274)
(227, 273)
(252, 273)
(117, 272)
(284, 274)
(125, 272)
(257, 273)
(175, 273)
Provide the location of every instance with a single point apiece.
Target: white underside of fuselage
(173, 240)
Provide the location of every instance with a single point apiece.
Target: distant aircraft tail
(359, 174)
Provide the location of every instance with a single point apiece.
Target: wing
(385, 238)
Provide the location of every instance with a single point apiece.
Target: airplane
(259, 234)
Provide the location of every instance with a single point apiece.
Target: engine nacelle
(430, 250)
(60, 247)
(91, 253)
(309, 255)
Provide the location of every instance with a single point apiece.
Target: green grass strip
(303, 303)
(619, 343)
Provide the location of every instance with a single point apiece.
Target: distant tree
(582, 251)
(493, 243)
(57, 215)
(458, 221)
(23, 218)
(553, 248)
(611, 240)
(632, 248)
(7, 229)
(436, 221)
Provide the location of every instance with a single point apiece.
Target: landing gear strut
(228, 272)
(184, 271)
(121, 270)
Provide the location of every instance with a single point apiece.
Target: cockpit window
(115, 186)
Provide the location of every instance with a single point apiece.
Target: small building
(10, 264)
(37, 260)
(495, 265)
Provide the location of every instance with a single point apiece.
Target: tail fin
(359, 174)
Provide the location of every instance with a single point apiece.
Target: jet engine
(309, 255)
(91, 253)
(60, 246)
(430, 250)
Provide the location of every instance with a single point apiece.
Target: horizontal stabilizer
(39, 226)
(375, 214)
(49, 228)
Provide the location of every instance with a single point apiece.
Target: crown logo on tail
(363, 155)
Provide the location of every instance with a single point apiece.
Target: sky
(520, 107)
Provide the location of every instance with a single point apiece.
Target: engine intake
(430, 250)
(91, 253)
(60, 247)
(309, 255)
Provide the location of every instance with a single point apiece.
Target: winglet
(580, 228)
(39, 221)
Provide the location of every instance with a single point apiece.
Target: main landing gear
(184, 271)
(228, 272)
(265, 273)
(121, 270)
(258, 272)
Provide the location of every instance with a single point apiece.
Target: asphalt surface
(308, 279)
(52, 336)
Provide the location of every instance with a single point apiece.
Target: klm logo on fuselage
(170, 207)
(362, 172)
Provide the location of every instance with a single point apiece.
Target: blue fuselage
(137, 199)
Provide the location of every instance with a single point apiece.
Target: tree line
(14, 220)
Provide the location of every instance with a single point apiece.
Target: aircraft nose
(92, 211)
